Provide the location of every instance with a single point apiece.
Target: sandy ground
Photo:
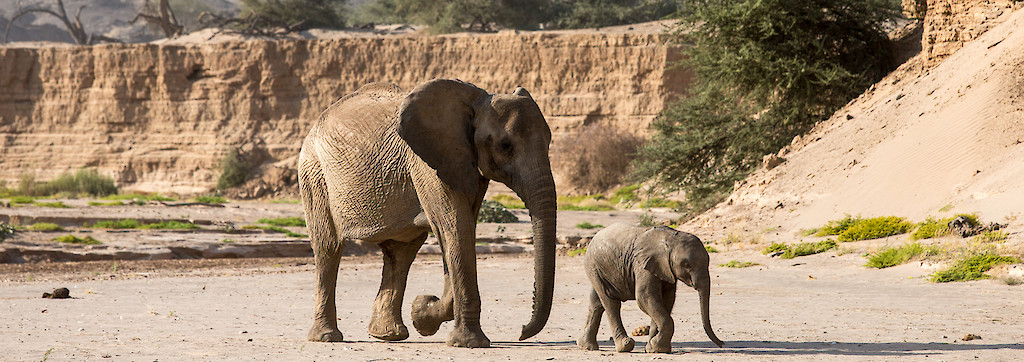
(810, 308)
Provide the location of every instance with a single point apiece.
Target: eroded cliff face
(949, 24)
(160, 117)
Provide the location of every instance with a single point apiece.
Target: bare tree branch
(167, 22)
(76, 29)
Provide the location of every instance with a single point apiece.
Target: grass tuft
(587, 225)
(577, 252)
(108, 203)
(211, 199)
(56, 204)
(277, 229)
(71, 239)
(710, 249)
(23, 200)
(45, 226)
(135, 224)
(509, 201)
(137, 196)
(889, 256)
(991, 237)
(739, 264)
(284, 221)
(800, 249)
(972, 268)
(931, 228)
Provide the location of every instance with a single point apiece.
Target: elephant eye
(506, 146)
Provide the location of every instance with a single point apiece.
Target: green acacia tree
(765, 72)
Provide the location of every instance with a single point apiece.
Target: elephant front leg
(656, 300)
(588, 340)
(325, 321)
(428, 312)
(466, 303)
(386, 322)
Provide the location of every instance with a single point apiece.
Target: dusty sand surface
(810, 308)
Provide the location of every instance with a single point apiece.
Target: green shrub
(765, 71)
(889, 256)
(972, 268)
(587, 225)
(233, 171)
(284, 221)
(495, 212)
(931, 228)
(710, 249)
(71, 239)
(801, 249)
(117, 224)
(6, 230)
(836, 227)
(625, 194)
(775, 247)
(45, 226)
(83, 181)
(739, 264)
(211, 199)
(55, 204)
(874, 228)
(576, 252)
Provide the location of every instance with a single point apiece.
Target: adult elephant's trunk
(539, 196)
(703, 286)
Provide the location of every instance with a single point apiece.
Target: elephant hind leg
(588, 341)
(386, 322)
(326, 250)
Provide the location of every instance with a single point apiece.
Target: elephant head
(684, 259)
(466, 134)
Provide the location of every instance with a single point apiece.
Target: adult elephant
(385, 166)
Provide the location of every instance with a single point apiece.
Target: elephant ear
(659, 261)
(436, 121)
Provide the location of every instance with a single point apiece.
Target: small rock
(59, 293)
(970, 337)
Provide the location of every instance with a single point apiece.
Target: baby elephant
(627, 262)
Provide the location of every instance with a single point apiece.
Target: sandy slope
(917, 141)
(821, 307)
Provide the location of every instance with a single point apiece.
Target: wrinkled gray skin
(627, 262)
(385, 166)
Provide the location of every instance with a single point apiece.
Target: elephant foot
(321, 334)
(424, 319)
(654, 347)
(625, 344)
(587, 344)
(468, 337)
(388, 330)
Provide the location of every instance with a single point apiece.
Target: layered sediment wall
(161, 117)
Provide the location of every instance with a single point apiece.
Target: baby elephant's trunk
(703, 286)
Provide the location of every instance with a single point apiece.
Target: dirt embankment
(160, 117)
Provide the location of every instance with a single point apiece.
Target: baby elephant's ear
(658, 265)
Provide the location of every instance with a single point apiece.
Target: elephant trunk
(540, 199)
(703, 286)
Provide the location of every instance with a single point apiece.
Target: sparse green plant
(23, 200)
(227, 241)
(233, 171)
(577, 252)
(284, 221)
(509, 201)
(972, 268)
(137, 197)
(83, 181)
(645, 219)
(495, 212)
(211, 199)
(625, 194)
(931, 227)
(6, 230)
(775, 247)
(946, 207)
(45, 226)
(710, 249)
(71, 239)
(732, 238)
(136, 224)
(585, 203)
(276, 229)
(893, 256)
(285, 201)
(739, 264)
(1012, 280)
(108, 203)
(117, 224)
(46, 356)
(803, 249)
(170, 225)
(54, 204)
(587, 225)
(991, 237)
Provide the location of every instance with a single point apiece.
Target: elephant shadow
(772, 348)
